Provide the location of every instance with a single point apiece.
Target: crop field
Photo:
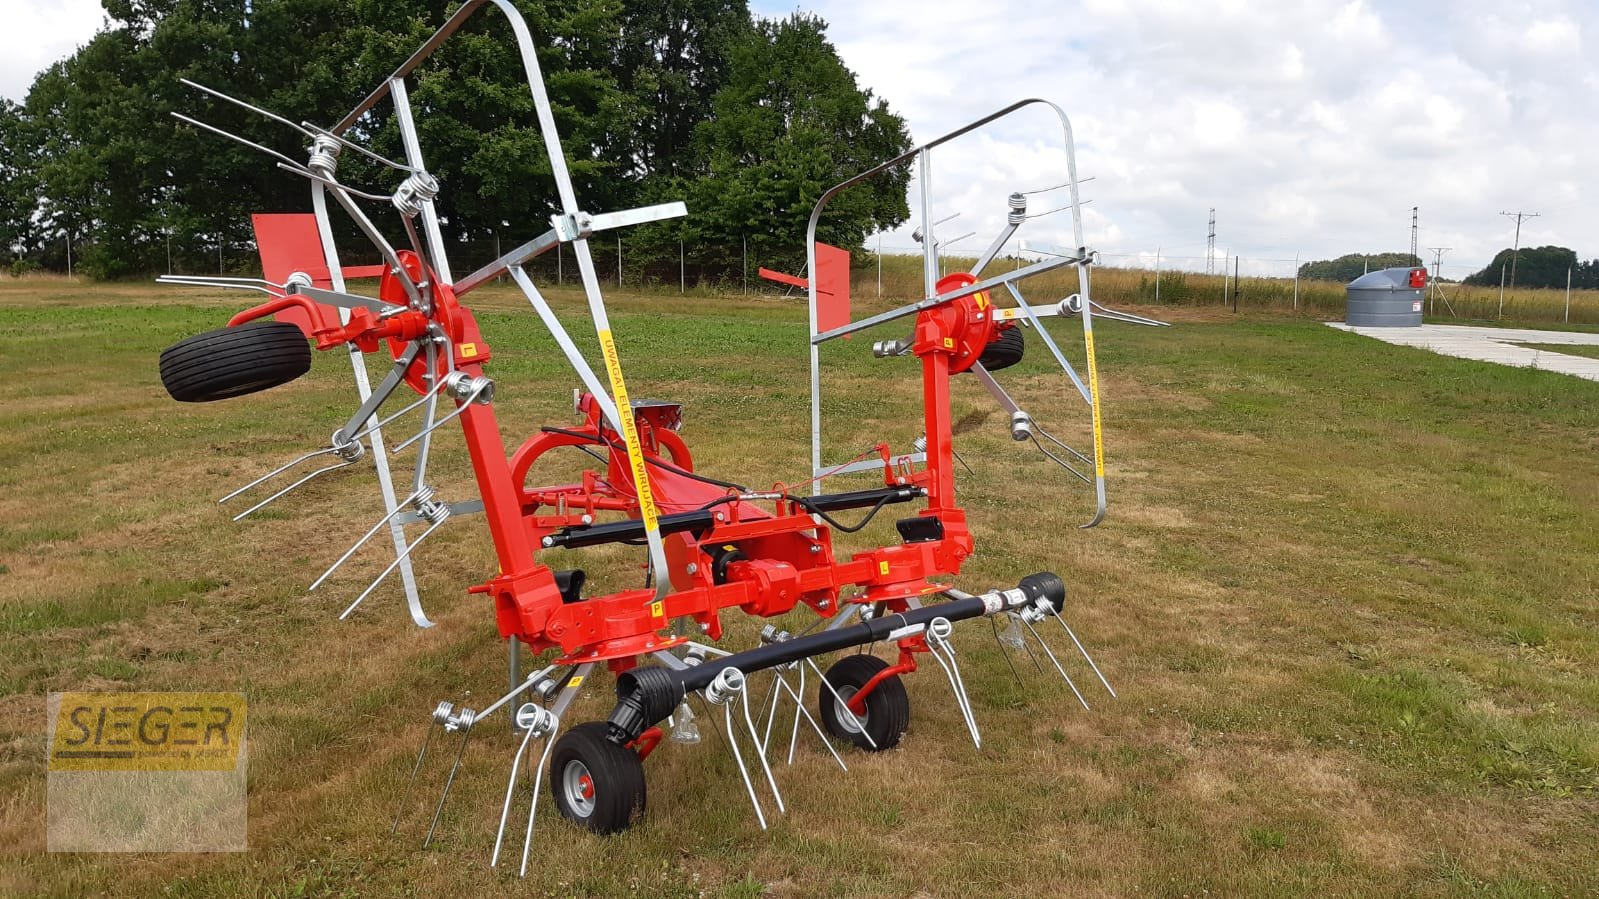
(1458, 303)
(1346, 590)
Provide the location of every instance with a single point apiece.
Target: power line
(1515, 253)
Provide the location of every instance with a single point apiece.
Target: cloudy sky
(1312, 127)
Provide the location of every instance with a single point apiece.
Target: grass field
(1346, 590)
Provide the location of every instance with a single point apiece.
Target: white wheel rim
(579, 798)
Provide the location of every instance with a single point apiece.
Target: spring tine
(1005, 652)
(1086, 656)
(359, 149)
(769, 708)
(938, 635)
(237, 102)
(738, 756)
(392, 565)
(1059, 461)
(1056, 662)
(842, 704)
(383, 422)
(329, 182)
(533, 804)
(221, 284)
(449, 782)
(800, 709)
(510, 791)
(1055, 440)
(398, 508)
(749, 721)
(406, 793)
(294, 166)
(440, 422)
(277, 471)
(274, 497)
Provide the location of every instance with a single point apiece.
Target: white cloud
(37, 33)
(1311, 127)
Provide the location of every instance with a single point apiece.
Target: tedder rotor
(713, 546)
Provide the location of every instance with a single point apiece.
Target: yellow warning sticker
(576, 681)
(882, 568)
(147, 732)
(982, 300)
(635, 455)
(657, 609)
(1093, 391)
(949, 343)
(467, 350)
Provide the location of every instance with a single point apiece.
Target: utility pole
(1432, 284)
(1210, 245)
(1415, 215)
(1515, 252)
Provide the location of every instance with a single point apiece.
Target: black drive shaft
(646, 696)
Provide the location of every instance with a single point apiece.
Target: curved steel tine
(1129, 317)
(1038, 325)
(1061, 462)
(1064, 676)
(510, 792)
(401, 507)
(184, 281)
(277, 471)
(1057, 441)
(440, 422)
(383, 422)
(405, 794)
(800, 709)
(1086, 656)
(769, 706)
(940, 646)
(749, 721)
(842, 704)
(237, 102)
(449, 782)
(738, 756)
(293, 165)
(533, 803)
(392, 565)
(295, 485)
(337, 185)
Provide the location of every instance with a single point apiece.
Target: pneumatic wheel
(234, 361)
(888, 709)
(1005, 350)
(597, 784)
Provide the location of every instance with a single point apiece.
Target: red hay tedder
(714, 546)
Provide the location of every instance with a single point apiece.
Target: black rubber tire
(616, 778)
(1005, 350)
(235, 361)
(888, 708)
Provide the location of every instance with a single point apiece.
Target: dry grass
(902, 278)
(1345, 591)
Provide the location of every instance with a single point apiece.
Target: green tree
(1535, 267)
(1353, 265)
(790, 122)
(18, 192)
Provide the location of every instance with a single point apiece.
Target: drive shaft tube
(646, 696)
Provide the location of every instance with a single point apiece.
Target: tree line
(747, 120)
(1538, 267)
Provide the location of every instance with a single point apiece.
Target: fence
(1236, 282)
